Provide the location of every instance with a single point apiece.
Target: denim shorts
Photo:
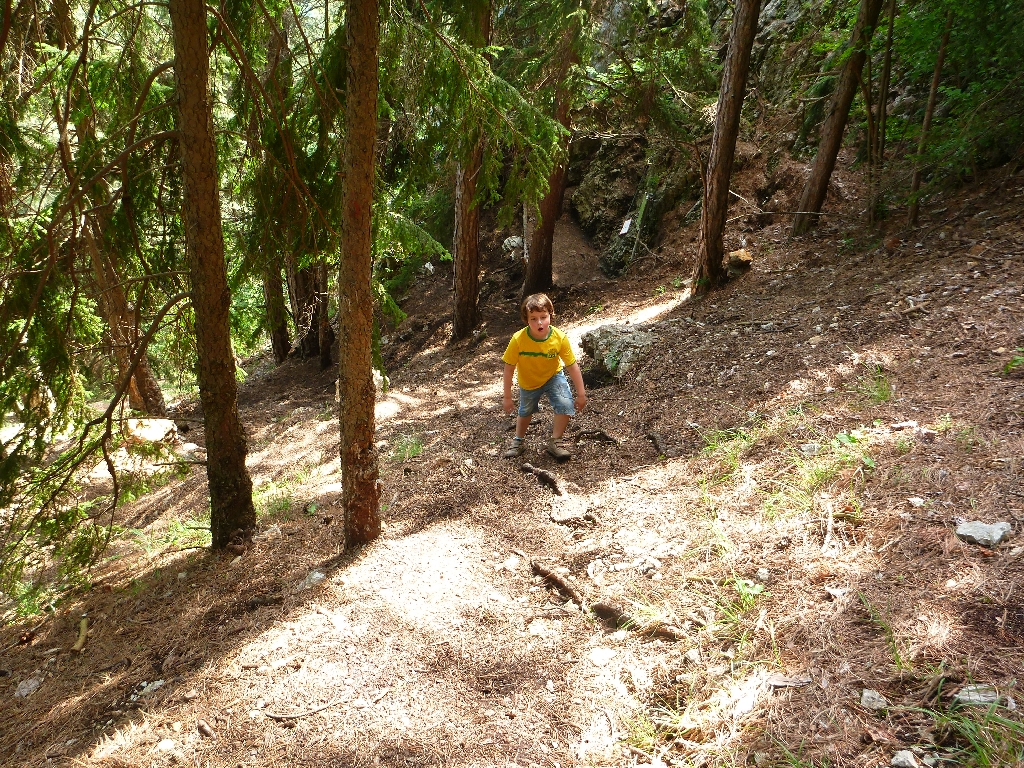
(558, 392)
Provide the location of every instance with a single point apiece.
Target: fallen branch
(559, 583)
(606, 612)
(659, 446)
(83, 632)
(549, 479)
(617, 617)
(598, 434)
(305, 713)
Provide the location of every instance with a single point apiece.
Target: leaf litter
(793, 579)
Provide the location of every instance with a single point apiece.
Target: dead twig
(550, 479)
(83, 633)
(617, 617)
(598, 434)
(560, 583)
(304, 713)
(660, 447)
(606, 612)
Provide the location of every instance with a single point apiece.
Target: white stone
(314, 578)
(165, 745)
(977, 532)
(976, 696)
(27, 687)
(904, 759)
(873, 700)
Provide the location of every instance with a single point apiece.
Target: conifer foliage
(185, 185)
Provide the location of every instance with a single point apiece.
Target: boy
(537, 354)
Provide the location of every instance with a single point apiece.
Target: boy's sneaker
(516, 448)
(557, 448)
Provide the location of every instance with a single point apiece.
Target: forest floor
(775, 508)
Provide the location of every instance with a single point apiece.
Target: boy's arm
(507, 383)
(577, 381)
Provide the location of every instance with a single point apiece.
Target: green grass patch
(187, 533)
(874, 386)
(407, 447)
(1016, 362)
(882, 622)
(981, 738)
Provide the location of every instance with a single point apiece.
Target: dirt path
(796, 532)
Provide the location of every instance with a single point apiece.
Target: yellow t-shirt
(537, 361)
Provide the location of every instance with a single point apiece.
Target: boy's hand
(506, 403)
(581, 401)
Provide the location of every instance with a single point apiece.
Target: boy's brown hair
(538, 302)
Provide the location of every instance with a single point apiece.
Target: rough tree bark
(876, 141)
(144, 393)
(915, 184)
(708, 272)
(232, 516)
(325, 334)
(466, 246)
(359, 472)
(277, 318)
(538, 265)
(466, 239)
(302, 290)
(835, 122)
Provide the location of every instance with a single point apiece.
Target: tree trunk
(876, 144)
(277, 319)
(144, 392)
(359, 473)
(232, 516)
(466, 239)
(883, 88)
(538, 268)
(325, 334)
(708, 272)
(915, 184)
(816, 189)
(466, 245)
(538, 265)
(302, 290)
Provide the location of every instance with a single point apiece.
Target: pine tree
(232, 515)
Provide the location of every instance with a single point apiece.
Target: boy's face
(539, 322)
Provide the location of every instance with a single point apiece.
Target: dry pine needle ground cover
(770, 496)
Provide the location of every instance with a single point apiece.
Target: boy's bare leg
(560, 423)
(523, 423)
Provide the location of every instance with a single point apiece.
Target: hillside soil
(771, 494)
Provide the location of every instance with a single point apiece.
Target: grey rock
(27, 687)
(511, 244)
(977, 532)
(764, 575)
(976, 696)
(873, 700)
(904, 759)
(617, 348)
(315, 577)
